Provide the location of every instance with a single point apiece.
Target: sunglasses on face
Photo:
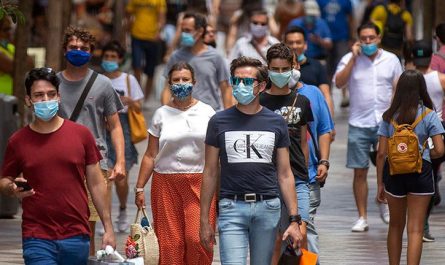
(247, 81)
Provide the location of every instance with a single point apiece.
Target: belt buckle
(250, 197)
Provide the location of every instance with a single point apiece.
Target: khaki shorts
(94, 216)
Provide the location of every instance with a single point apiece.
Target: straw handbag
(145, 239)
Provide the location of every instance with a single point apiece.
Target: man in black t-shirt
(296, 111)
(250, 144)
(312, 71)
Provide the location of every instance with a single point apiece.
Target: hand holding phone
(24, 185)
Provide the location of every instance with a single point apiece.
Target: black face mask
(212, 43)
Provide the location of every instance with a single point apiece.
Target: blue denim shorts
(147, 53)
(69, 251)
(360, 141)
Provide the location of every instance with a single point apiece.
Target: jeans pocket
(273, 204)
(225, 204)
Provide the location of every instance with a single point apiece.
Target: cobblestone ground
(335, 216)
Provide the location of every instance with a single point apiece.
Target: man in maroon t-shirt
(46, 165)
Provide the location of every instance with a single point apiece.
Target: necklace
(183, 108)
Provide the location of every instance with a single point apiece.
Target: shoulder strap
(419, 118)
(292, 107)
(128, 85)
(79, 105)
(258, 50)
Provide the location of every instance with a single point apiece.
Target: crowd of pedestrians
(242, 140)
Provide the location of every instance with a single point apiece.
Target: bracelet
(136, 189)
(324, 162)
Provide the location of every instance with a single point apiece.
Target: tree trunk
(21, 66)
(119, 21)
(53, 44)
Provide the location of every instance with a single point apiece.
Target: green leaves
(12, 11)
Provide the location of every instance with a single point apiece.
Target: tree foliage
(11, 10)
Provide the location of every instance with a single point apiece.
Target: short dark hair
(279, 51)
(440, 32)
(43, 73)
(294, 29)
(368, 25)
(248, 61)
(261, 11)
(80, 33)
(200, 21)
(179, 66)
(114, 46)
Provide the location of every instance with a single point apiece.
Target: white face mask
(295, 77)
(258, 31)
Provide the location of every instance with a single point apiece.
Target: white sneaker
(361, 225)
(384, 212)
(122, 221)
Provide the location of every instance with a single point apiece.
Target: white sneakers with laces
(361, 225)
(122, 224)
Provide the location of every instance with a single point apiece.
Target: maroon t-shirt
(55, 166)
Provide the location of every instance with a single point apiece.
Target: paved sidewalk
(335, 217)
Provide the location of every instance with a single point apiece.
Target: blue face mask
(187, 39)
(280, 79)
(369, 49)
(181, 91)
(243, 94)
(77, 57)
(301, 58)
(46, 110)
(109, 66)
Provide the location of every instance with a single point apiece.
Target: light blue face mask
(46, 110)
(243, 94)
(369, 49)
(280, 79)
(187, 39)
(301, 58)
(109, 66)
(181, 91)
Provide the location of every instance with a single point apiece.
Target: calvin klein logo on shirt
(249, 146)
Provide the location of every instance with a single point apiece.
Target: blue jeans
(242, 225)
(303, 199)
(69, 251)
(312, 234)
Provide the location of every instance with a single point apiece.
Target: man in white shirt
(371, 75)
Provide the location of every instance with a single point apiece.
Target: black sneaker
(427, 237)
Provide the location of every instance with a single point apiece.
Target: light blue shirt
(322, 124)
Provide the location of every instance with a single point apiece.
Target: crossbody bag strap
(128, 85)
(258, 50)
(291, 108)
(79, 104)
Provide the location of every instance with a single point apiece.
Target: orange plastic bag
(308, 258)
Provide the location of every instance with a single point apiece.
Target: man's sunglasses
(247, 81)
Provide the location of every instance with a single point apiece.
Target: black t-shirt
(300, 116)
(248, 145)
(313, 73)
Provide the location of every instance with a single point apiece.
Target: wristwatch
(295, 218)
(136, 189)
(324, 162)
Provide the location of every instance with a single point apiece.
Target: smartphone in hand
(24, 185)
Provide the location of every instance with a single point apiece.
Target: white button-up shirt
(370, 86)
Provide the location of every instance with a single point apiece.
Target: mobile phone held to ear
(24, 185)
